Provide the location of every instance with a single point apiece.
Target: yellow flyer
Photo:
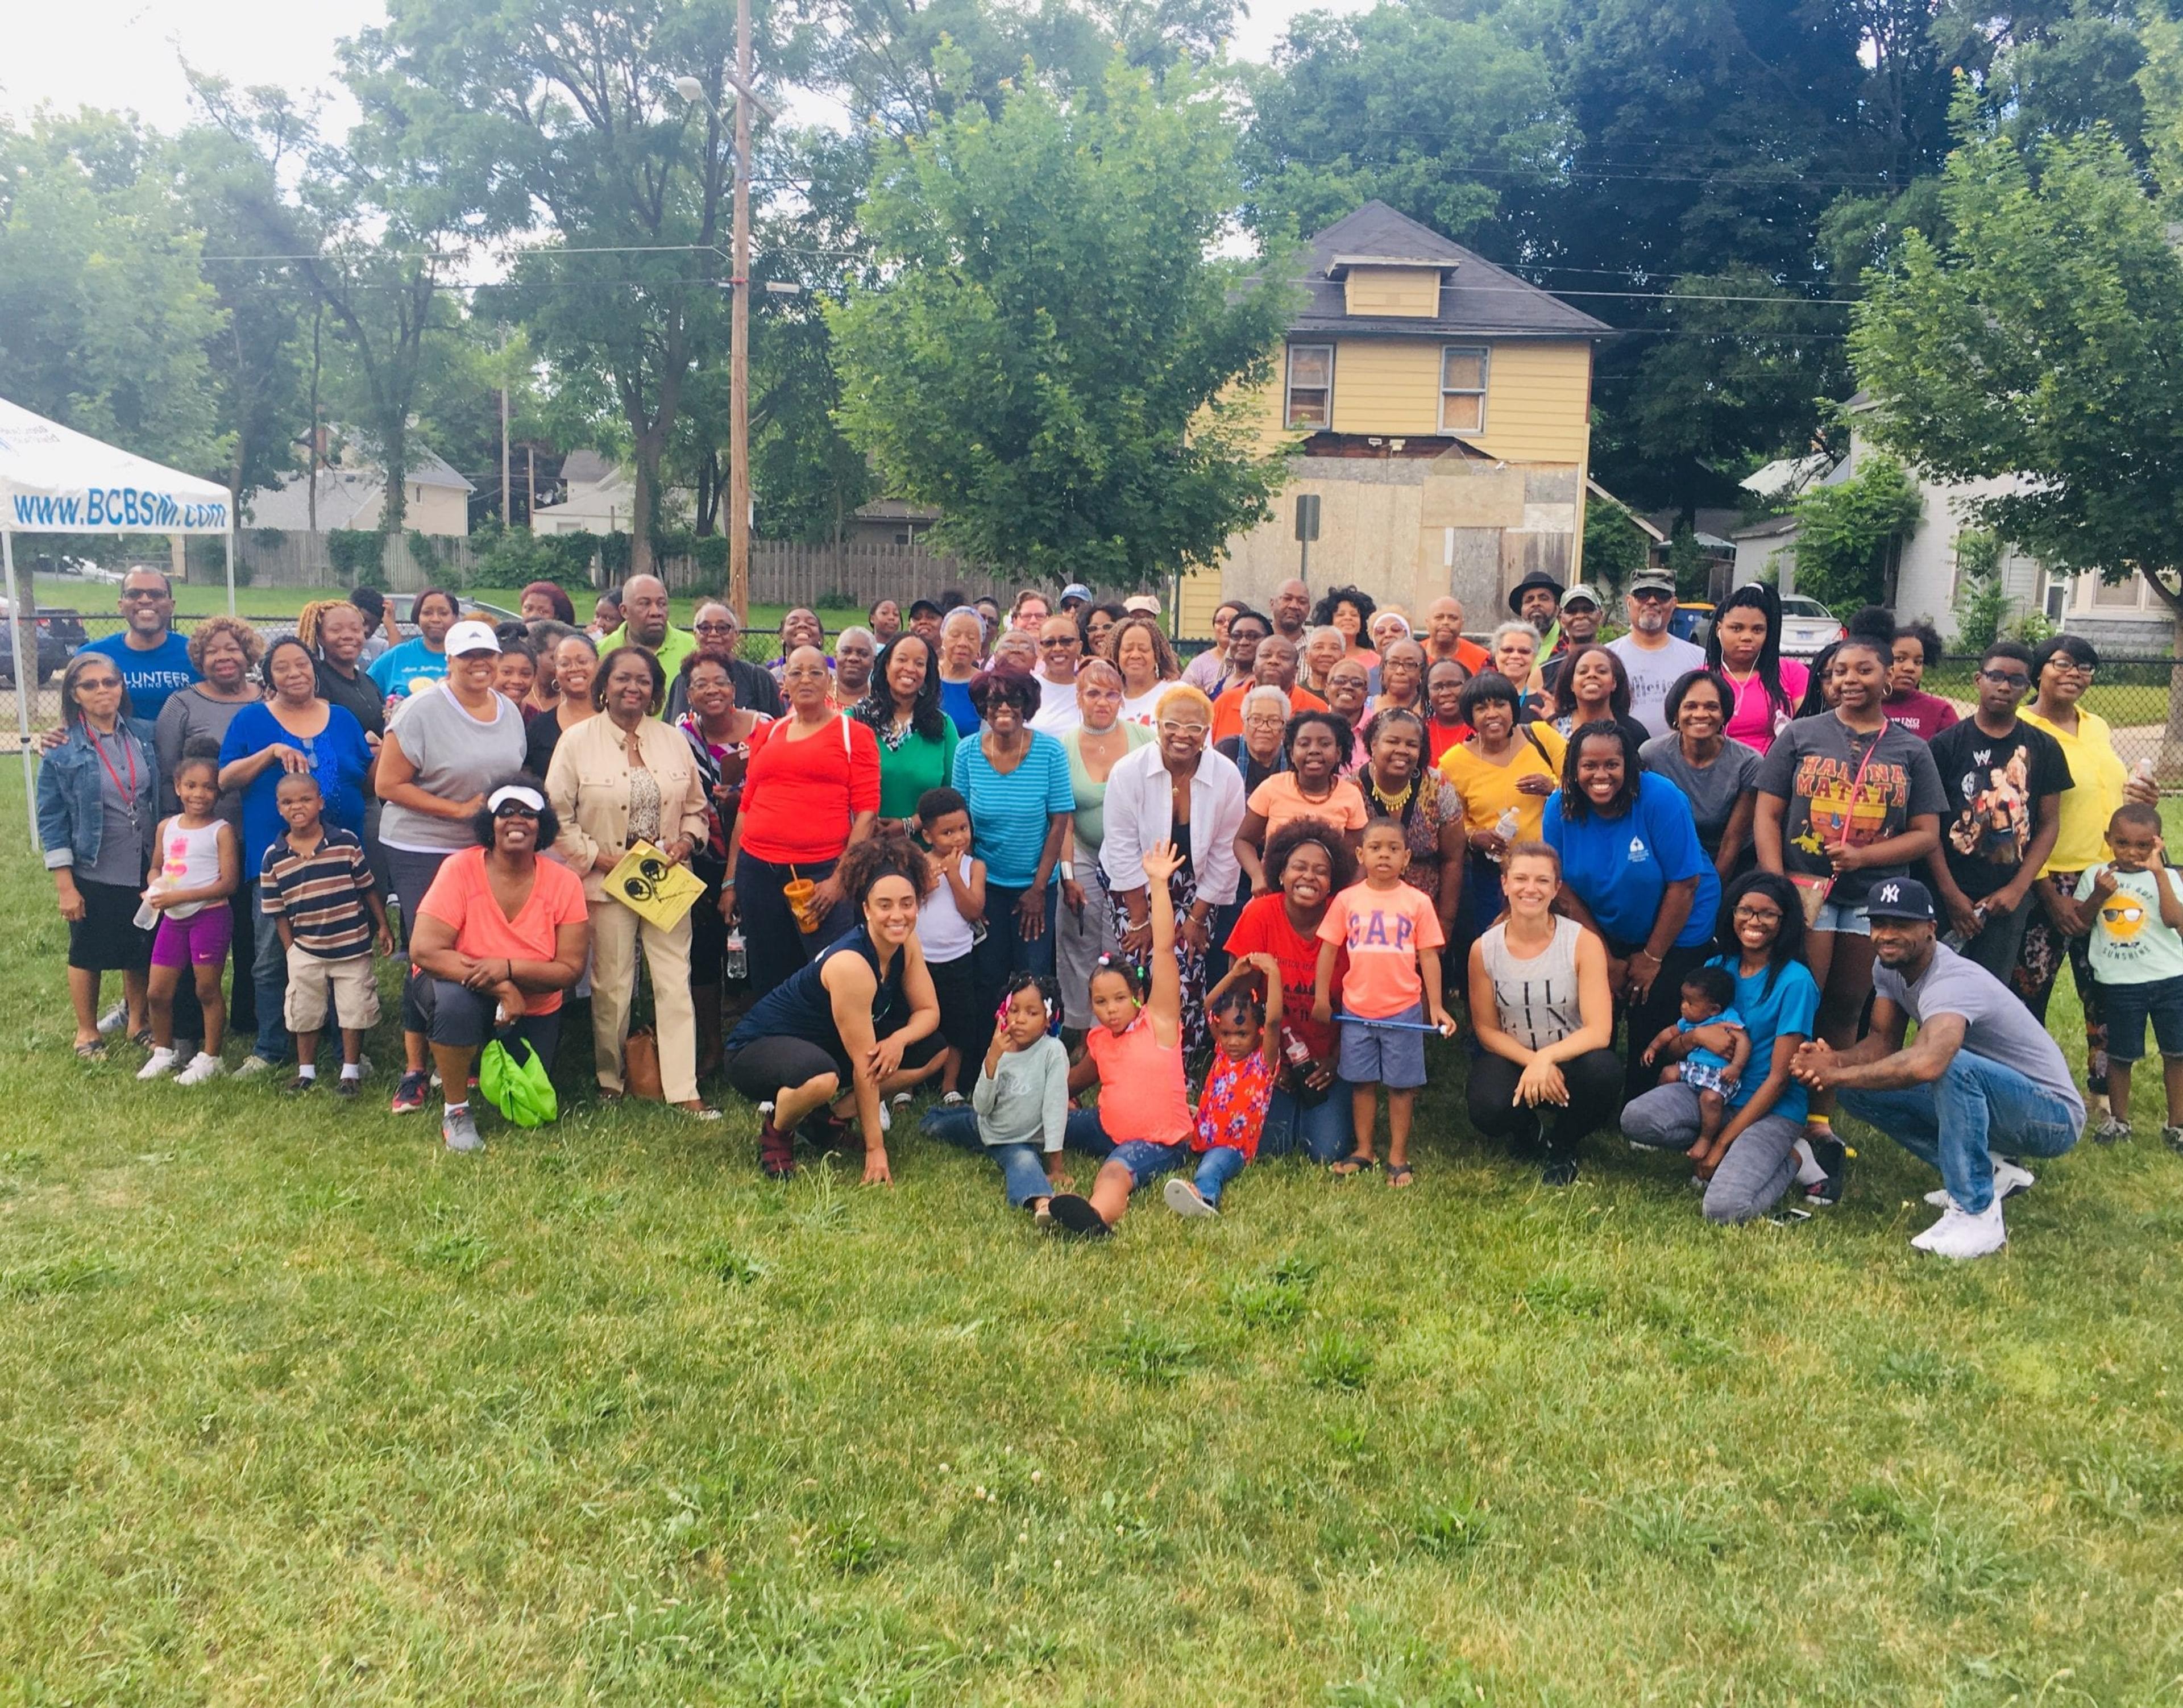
(658, 893)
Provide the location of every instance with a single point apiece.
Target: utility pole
(739, 488)
(506, 502)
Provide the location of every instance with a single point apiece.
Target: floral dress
(1425, 811)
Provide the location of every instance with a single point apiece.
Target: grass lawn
(295, 1407)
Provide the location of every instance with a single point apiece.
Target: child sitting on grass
(1134, 1055)
(949, 916)
(1231, 1113)
(1708, 1049)
(1019, 1110)
(1393, 935)
(2131, 907)
(317, 884)
(200, 864)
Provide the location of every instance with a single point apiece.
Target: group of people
(1010, 857)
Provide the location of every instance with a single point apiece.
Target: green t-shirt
(921, 762)
(671, 652)
(2129, 945)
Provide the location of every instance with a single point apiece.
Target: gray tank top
(1536, 998)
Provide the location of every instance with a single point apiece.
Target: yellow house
(1442, 409)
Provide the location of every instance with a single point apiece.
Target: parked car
(60, 631)
(1807, 626)
(404, 604)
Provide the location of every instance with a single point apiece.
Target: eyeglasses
(1746, 910)
(2063, 661)
(2005, 679)
(98, 682)
(715, 627)
(1190, 729)
(1063, 641)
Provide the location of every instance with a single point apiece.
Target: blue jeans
(1023, 1167)
(1327, 1133)
(1215, 1169)
(1975, 1109)
(269, 980)
(1140, 1157)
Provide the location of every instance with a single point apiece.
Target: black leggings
(1663, 1003)
(1594, 1091)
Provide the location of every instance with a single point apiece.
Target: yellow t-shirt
(1489, 789)
(2097, 774)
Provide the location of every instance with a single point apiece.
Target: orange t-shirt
(1383, 930)
(1280, 798)
(1468, 653)
(1228, 709)
(461, 897)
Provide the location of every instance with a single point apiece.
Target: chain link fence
(2140, 699)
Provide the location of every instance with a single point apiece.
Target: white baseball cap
(471, 636)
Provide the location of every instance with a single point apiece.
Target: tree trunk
(394, 463)
(2171, 739)
(644, 456)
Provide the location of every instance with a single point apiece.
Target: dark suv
(59, 630)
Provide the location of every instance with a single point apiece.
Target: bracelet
(1069, 870)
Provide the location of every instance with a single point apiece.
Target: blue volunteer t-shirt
(152, 676)
(1009, 813)
(1792, 1005)
(398, 667)
(1620, 868)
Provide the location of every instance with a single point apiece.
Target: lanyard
(1857, 783)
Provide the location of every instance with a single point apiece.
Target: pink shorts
(202, 940)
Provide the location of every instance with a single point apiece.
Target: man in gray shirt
(1652, 658)
(1983, 1079)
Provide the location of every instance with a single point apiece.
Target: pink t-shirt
(1383, 929)
(1141, 1092)
(1756, 719)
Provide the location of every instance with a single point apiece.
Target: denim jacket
(69, 822)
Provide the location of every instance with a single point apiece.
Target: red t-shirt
(1443, 736)
(461, 896)
(799, 796)
(1263, 928)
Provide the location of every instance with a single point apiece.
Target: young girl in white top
(199, 865)
(947, 927)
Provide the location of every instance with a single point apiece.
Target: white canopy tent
(56, 480)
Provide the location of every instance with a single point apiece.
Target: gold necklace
(1390, 806)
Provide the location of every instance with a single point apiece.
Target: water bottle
(1300, 1064)
(1504, 827)
(736, 964)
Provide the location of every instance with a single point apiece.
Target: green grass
(296, 1408)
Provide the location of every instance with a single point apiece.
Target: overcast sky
(127, 53)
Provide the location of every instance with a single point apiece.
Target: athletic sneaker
(202, 1068)
(1185, 1199)
(349, 1085)
(409, 1094)
(1833, 1156)
(1960, 1234)
(2172, 1137)
(2111, 1132)
(158, 1062)
(1558, 1171)
(113, 1019)
(301, 1083)
(776, 1150)
(460, 1132)
(2009, 1180)
(253, 1064)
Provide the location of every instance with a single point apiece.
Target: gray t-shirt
(124, 837)
(1652, 674)
(455, 755)
(1713, 789)
(1997, 1024)
(1026, 1101)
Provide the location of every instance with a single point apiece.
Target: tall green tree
(1052, 357)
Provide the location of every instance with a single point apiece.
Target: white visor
(518, 793)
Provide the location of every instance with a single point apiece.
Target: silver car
(1807, 626)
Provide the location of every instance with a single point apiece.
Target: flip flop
(1073, 1214)
(93, 1051)
(1400, 1174)
(1349, 1166)
(1183, 1199)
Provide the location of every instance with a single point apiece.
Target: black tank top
(802, 1008)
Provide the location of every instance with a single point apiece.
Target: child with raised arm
(1708, 1048)
(948, 919)
(1393, 935)
(199, 863)
(2129, 905)
(1134, 1055)
(1246, 1060)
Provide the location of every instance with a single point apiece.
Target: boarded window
(1462, 389)
(1311, 385)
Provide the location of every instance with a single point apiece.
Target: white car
(1807, 626)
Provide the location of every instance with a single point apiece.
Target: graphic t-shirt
(1621, 867)
(1383, 930)
(1231, 1110)
(1924, 715)
(1263, 928)
(2130, 943)
(1844, 786)
(1994, 785)
(1653, 671)
(150, 676)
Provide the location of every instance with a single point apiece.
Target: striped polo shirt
(321, 893)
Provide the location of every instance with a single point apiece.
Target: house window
(1311, 385)
(2118, 595)
(1462, 389)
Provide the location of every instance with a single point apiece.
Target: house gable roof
(1476, 298)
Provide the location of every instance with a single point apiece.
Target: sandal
(95, 1050)
(776, 1152)
(1073, 1214)
(1353, 1165)
(142, 1038)
(1400, 1174)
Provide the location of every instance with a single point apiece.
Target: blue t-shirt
(398, 667)
(150, 677)
(339, 757)
(1009, 814)
(1791, 1006)
(1620, 868)
(955, 701)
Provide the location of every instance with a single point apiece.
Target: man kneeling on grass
(1983, 1081)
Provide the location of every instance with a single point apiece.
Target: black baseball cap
(919, 607)
(1900, 898)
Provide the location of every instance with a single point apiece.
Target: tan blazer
(588, 783)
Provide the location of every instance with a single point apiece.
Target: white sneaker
(113, 1019)
(160, 1062)
(1960, 1234)
(1183, 1199)
(2009, 1180)
(202, 1068)
(253, 1064)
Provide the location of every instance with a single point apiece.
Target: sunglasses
(1653, 595)
(515, 809)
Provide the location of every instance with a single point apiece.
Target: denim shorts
(1844, 916)
(1144, 1159)
(2129, 1006)
(1383, 1056)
